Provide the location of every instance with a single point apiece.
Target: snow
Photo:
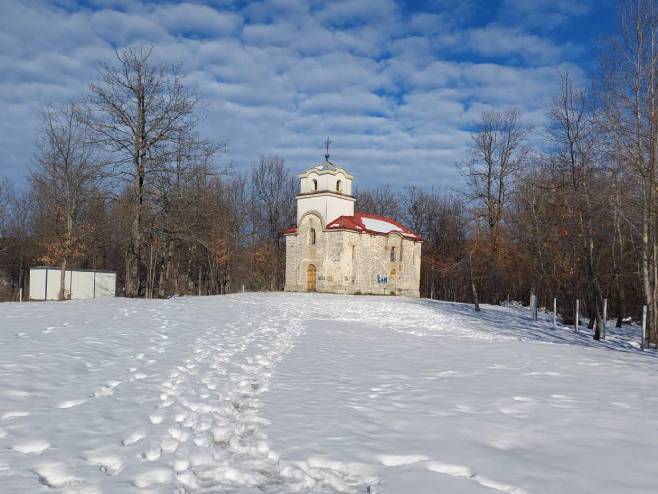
(380, 226)
(318, 393)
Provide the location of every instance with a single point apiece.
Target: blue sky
(397, 85)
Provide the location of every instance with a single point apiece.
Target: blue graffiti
(382, 279)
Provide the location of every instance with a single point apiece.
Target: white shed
(79, 283)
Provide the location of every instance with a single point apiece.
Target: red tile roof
(366, 223)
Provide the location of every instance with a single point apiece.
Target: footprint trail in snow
(315, 393)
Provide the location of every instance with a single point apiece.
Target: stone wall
(351, 262)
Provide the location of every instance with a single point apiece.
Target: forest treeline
(122, 180)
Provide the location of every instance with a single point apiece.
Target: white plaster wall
(328, 205)
(326, 182)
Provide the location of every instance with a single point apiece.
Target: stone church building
(335, 249)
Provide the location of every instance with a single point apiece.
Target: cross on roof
(327, 143)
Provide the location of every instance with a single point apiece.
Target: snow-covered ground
(279, 393)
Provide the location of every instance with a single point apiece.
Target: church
(335, 249)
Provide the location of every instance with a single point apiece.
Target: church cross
(327, 143)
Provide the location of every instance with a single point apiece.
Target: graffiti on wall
(382, 280)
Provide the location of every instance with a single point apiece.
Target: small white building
(335, 249)
(79, 283)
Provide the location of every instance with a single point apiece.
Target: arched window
(338, 186)
(315, 184)
(392, 254)
(311, 236)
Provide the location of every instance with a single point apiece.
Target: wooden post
(605, 317)
(644, 325)
(576, 321)
(554, 313)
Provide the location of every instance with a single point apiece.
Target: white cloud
(200, 19)
(545, 14)
(281, 75)
(503, 42)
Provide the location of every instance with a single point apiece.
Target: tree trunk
(62, 281)
(474, 290)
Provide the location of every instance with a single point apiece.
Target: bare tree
(273, 196)
(497, 154)
(379, 200)
(6, 194)
(630, 92)
(138, 110)
(575, 162)
(66, 172)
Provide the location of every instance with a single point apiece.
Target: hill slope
(317, 393)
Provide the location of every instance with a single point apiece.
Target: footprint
(188, 480)
(156, 419)
(106, 390)
(70, 403)
(499, 486)
(133, 438)
(399, 460)
(13, 415)
(108, 464)
(55, 475)
(169, 445)
(152, 477)
(178, 434)
(448, 469)
(181, 465)
(35, 447)
(202, 441)
(153, 452)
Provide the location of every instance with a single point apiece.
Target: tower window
(315, 184)
(392, 254)
(338, 186)
(311, 236)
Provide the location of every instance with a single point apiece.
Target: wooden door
(310, 278)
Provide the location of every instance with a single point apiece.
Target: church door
(310, 278)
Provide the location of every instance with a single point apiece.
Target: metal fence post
(605, 316)
(644, 325)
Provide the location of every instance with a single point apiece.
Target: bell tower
(325, 189)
